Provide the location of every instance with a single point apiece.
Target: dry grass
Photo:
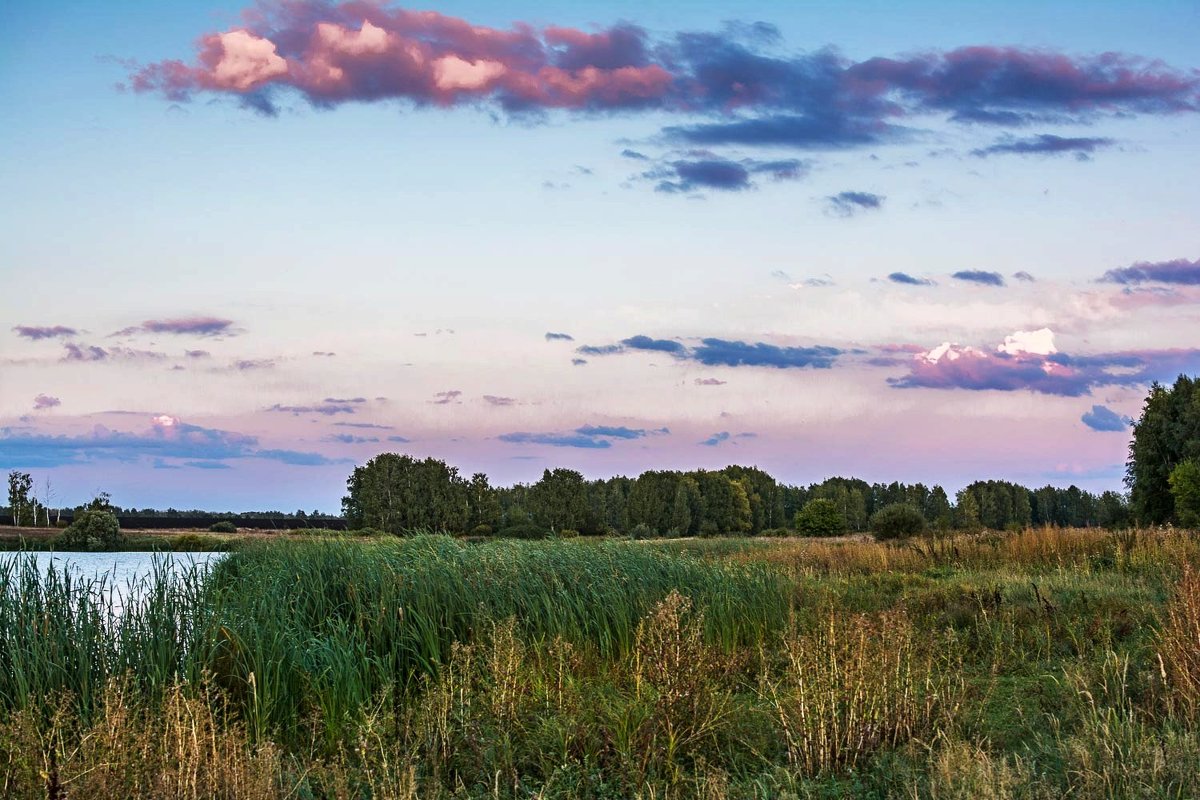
(1179, 648)
(856, 685)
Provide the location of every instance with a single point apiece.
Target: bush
(568, 533)
(820, 518)
(897, 521)
(92, 530)
(367, 532)
(523, 530)
(709, 528)
(224, 526)
(481, 530)
(643, 531)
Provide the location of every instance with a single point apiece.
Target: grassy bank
(1041, 664)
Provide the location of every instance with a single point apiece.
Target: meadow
(1035, 664)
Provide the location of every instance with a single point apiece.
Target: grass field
(1044, 664)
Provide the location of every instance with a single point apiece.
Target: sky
(248, 247)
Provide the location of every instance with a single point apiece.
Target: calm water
(121, 574)
(117, 569)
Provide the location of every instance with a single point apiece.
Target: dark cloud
(168, 438)
(559, 337)
(658, 345)
(683, 176)
(1024, 277)
(1045, 144)
(709, 382)
(446, 398)
(599, 350)
(364, 426)
(909, 280)
(613, 432)
(203, 465)
(349, 438)
(197, 353)
(1180, 272)
(578, 362)
(77, 352)
(399, 439)
(184, 326)
(979, 276)
(324, 353)
(1102, 418)
(345, 400)
(722, 352)
(716, 439)
(556, 440)
(45, 401)
(251, 364)
(635, 155)
(495, 400)
(39, 332)
(326, 409)
(847, 204)
(590, 437)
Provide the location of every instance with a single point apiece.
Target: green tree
(20, 484)
(396, 494)
(559, 500)
(1185, 491)
(820, 517)
(686, 508)
(966, 512)
(1166, 434)
(937, 509)
(1112, 511)
(483, 504)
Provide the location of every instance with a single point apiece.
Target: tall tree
(559, 501)
(398, 494)
(20, 484)
(1166, 434)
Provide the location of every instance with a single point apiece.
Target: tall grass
(991, 666)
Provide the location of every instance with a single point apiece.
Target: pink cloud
(45, 401)
(1028, 360)
(335, 52)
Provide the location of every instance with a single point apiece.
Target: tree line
(397, 493)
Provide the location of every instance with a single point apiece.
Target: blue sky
(430, 237)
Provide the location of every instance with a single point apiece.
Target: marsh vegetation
(1040, 663)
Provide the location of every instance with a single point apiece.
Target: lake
(118, 571)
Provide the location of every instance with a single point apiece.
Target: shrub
(897, 521)
(820, 518)
(643, 531)
(523, 530)
(709, 528)
(368, 532)
(481, 530)
(92, 530)
(568, 533)
(224, 526)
